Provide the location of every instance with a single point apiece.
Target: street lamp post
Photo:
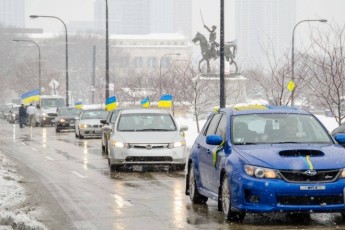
(39, 59)
(293, 53)
(222, 99)
(106, 51)
(160, 69)
(66, 39)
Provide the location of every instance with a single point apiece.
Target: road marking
(79, 175)
(51, 159)
(33, 149)
(121, 201)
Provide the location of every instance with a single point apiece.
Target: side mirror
(340, 138)
(214, 139)
(183, 128)
(103, 121)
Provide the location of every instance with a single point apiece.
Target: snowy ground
(15, 214)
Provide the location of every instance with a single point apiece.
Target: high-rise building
(263, 25)
(145, 16)
(12, 13)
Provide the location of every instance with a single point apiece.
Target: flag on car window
(110, 103)
(79, 105)
(165, 101)
(145, 103)
(30, 97)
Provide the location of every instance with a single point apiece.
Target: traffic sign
(53, 84)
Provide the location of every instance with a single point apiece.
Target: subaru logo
(310, 173)
(148, 147)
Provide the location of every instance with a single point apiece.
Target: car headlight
(261, 173)
(62, 120)
(176, 144)
(342, 175)
(13, 115)
(119, 144)
(44, 114)
(83, 126)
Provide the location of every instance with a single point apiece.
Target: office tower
(261, 24)
(145, 16)
(12, 13)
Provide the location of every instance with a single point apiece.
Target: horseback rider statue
(212, 40)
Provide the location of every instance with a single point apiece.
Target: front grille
(148, 146)
(148, 159)
(310, 200)
(96, 126)
(300, 176)
(52, 114)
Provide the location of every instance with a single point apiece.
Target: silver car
(88, 124)
(146, 137)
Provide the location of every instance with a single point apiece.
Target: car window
(69, 112)
(212, 127)
(94, 114)
(278, 128)
(146, 122)
(113, 116)
(221, 129)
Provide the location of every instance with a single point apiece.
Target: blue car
(267, 159)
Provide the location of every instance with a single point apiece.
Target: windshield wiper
(246, 143)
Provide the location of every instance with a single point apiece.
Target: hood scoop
(301, 153)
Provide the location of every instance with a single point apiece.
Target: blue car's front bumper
(274, 195)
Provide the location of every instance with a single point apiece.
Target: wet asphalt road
(70, 180)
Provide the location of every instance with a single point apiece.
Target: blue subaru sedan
(267, 159)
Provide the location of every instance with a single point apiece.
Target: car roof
(250, 109)
(144, 110)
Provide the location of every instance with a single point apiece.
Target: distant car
(88, 124)
(65, 119)
(264, 159)
(13, 114)
(146, 137)
(107, 128)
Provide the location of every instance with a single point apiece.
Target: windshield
(277, 128)
(94, 114)
(146, 122)
(52, 102)
(69, 112)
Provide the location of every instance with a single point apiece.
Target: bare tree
(327, 69)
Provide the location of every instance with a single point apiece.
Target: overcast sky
(82, 10)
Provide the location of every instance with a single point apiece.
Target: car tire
(225, 199)
(115, 168)
(80, 136)
(194, 194)
(57, 130)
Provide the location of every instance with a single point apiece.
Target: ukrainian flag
(79, 105)
(145, 103)
(110, 103)
(30, 97)
(165, 101)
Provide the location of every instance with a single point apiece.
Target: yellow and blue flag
(30, 97)
(145, 103)
(79, 105)
(165, 101)
(110, 103)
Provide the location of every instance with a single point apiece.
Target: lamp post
(66, 39)
(160, 69)
(106, 51)
(293, 53)
(39, 59)
(222, 99)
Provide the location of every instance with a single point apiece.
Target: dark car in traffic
(65, 119)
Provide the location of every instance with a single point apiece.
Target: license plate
(312, 187)
(137, 168)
